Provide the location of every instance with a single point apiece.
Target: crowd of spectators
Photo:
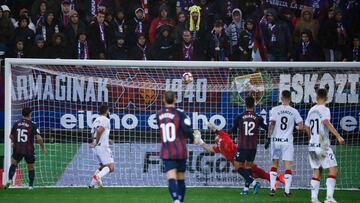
(187, 30)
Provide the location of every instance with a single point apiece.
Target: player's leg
(330, 162)
(252, 181)
(273, 176)
(315, 185)
(30, 160)
(239, 164)
(94, 177)
(288, 177)
(14, 161)
(171, 175)
(107, 160)
(180, 176)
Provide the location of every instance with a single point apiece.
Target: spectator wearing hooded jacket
(138, 25)
(197, 28)
(23, 32)
(58, 48)
(163, 47)
(49, 27)
(119, 24)
(277, 37)
(18, 51)
(180, 27)
(352, 53)
(246, 41)
(142, 50)
(307, 22)
(6, 31)
(25, 12)
(64, 18)
(118, 50)
(163, 19)
(75, 25)
(38, 50)
(307, 49)
(233, 31)
(219, 47)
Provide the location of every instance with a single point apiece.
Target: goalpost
(65, 96)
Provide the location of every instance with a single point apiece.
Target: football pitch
(160, 195)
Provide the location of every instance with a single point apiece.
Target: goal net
(65, 96)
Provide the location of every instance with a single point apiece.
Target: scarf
(145, 5)
(120, 26)
(139, 26)
(305, 48)
(229, 8)
(94, 7)
(356, 56)
(40, 21)
(188, 51)
(65, 20)
(273, 31)
(102, 35)
(143, 50)
(193, 9)
(72, 5)
(83, 51)
(19, 54)
(43, 32)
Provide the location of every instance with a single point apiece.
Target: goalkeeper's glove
(197, 137)
(267, 143)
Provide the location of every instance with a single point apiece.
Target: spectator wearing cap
(25, 12)
(246, 42)
(7, 13)
(6, 31)
(23, 32)
(307, 22)
(233, 31)
(49, 27)
(64, 19)
(58, 48)
(307, 49)
(100, 37)
(352, 52)
(142, 50)
(38, 50)
(118, 51)
(38, 14)
(81, 47)
(163, 47)
(162, 19)
(138, 25)
(119, 24)
(180, 27)
(17, 51)
(219, 47)
(187, 49)
(75, 25)
(277, 37)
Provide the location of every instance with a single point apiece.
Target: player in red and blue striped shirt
(246, 126)
(23, 135)
(175, 129)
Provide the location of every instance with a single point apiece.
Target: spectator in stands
(7, 13)
(180, 27)
(18, 51)
(81, 47)
(307, 22)
(118, 51)
(58, 48)
(49, 27)
(38, 50)
(138, 25)
(246, 42)
(25, 12)
(342, 36)
(198, 29)
(119, 25)
(187, 49)
(163, 19)
(207, 13)
(233, 31)
(74, 27)
(219, 47)
(163, 47)
(64, 19)
(277, 37)
(40, 6)
(38, 15)
(142, 50)
(6, 32)
(353, 52)
(328, 36)
(307, 49)
(23, 32)
(100, 36)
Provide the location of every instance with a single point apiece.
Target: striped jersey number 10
(168, 132)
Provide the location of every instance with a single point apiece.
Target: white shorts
(324, 159)
(283, 151)
(104, 155)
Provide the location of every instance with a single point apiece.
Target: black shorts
(178, 164)
(29, 158)
(245, 155)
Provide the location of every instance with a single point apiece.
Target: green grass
(159, 195)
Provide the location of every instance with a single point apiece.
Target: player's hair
(169, 97)
(286, 94)
(249, 102)
(321, 93)
(103, 109)
(26, 111)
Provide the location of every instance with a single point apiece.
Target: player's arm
(100, 130)
(299, 122)
(234, 128)
(40, 141)
(186, 126)
(270, 132)
(207, 147)
(331, 128)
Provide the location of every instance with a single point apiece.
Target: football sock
(173, 189)
(288, 179)
(315, 184)
(273, 176)
(104, 172)
(249, 174)
(93, 182)
(12, 171)
(31, 177)
(330, 186)
(181, 190)
(261, 173)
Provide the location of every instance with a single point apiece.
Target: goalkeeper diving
(227, 148)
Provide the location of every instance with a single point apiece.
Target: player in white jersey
(321, 155)
(282, 122)
(100, 130)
